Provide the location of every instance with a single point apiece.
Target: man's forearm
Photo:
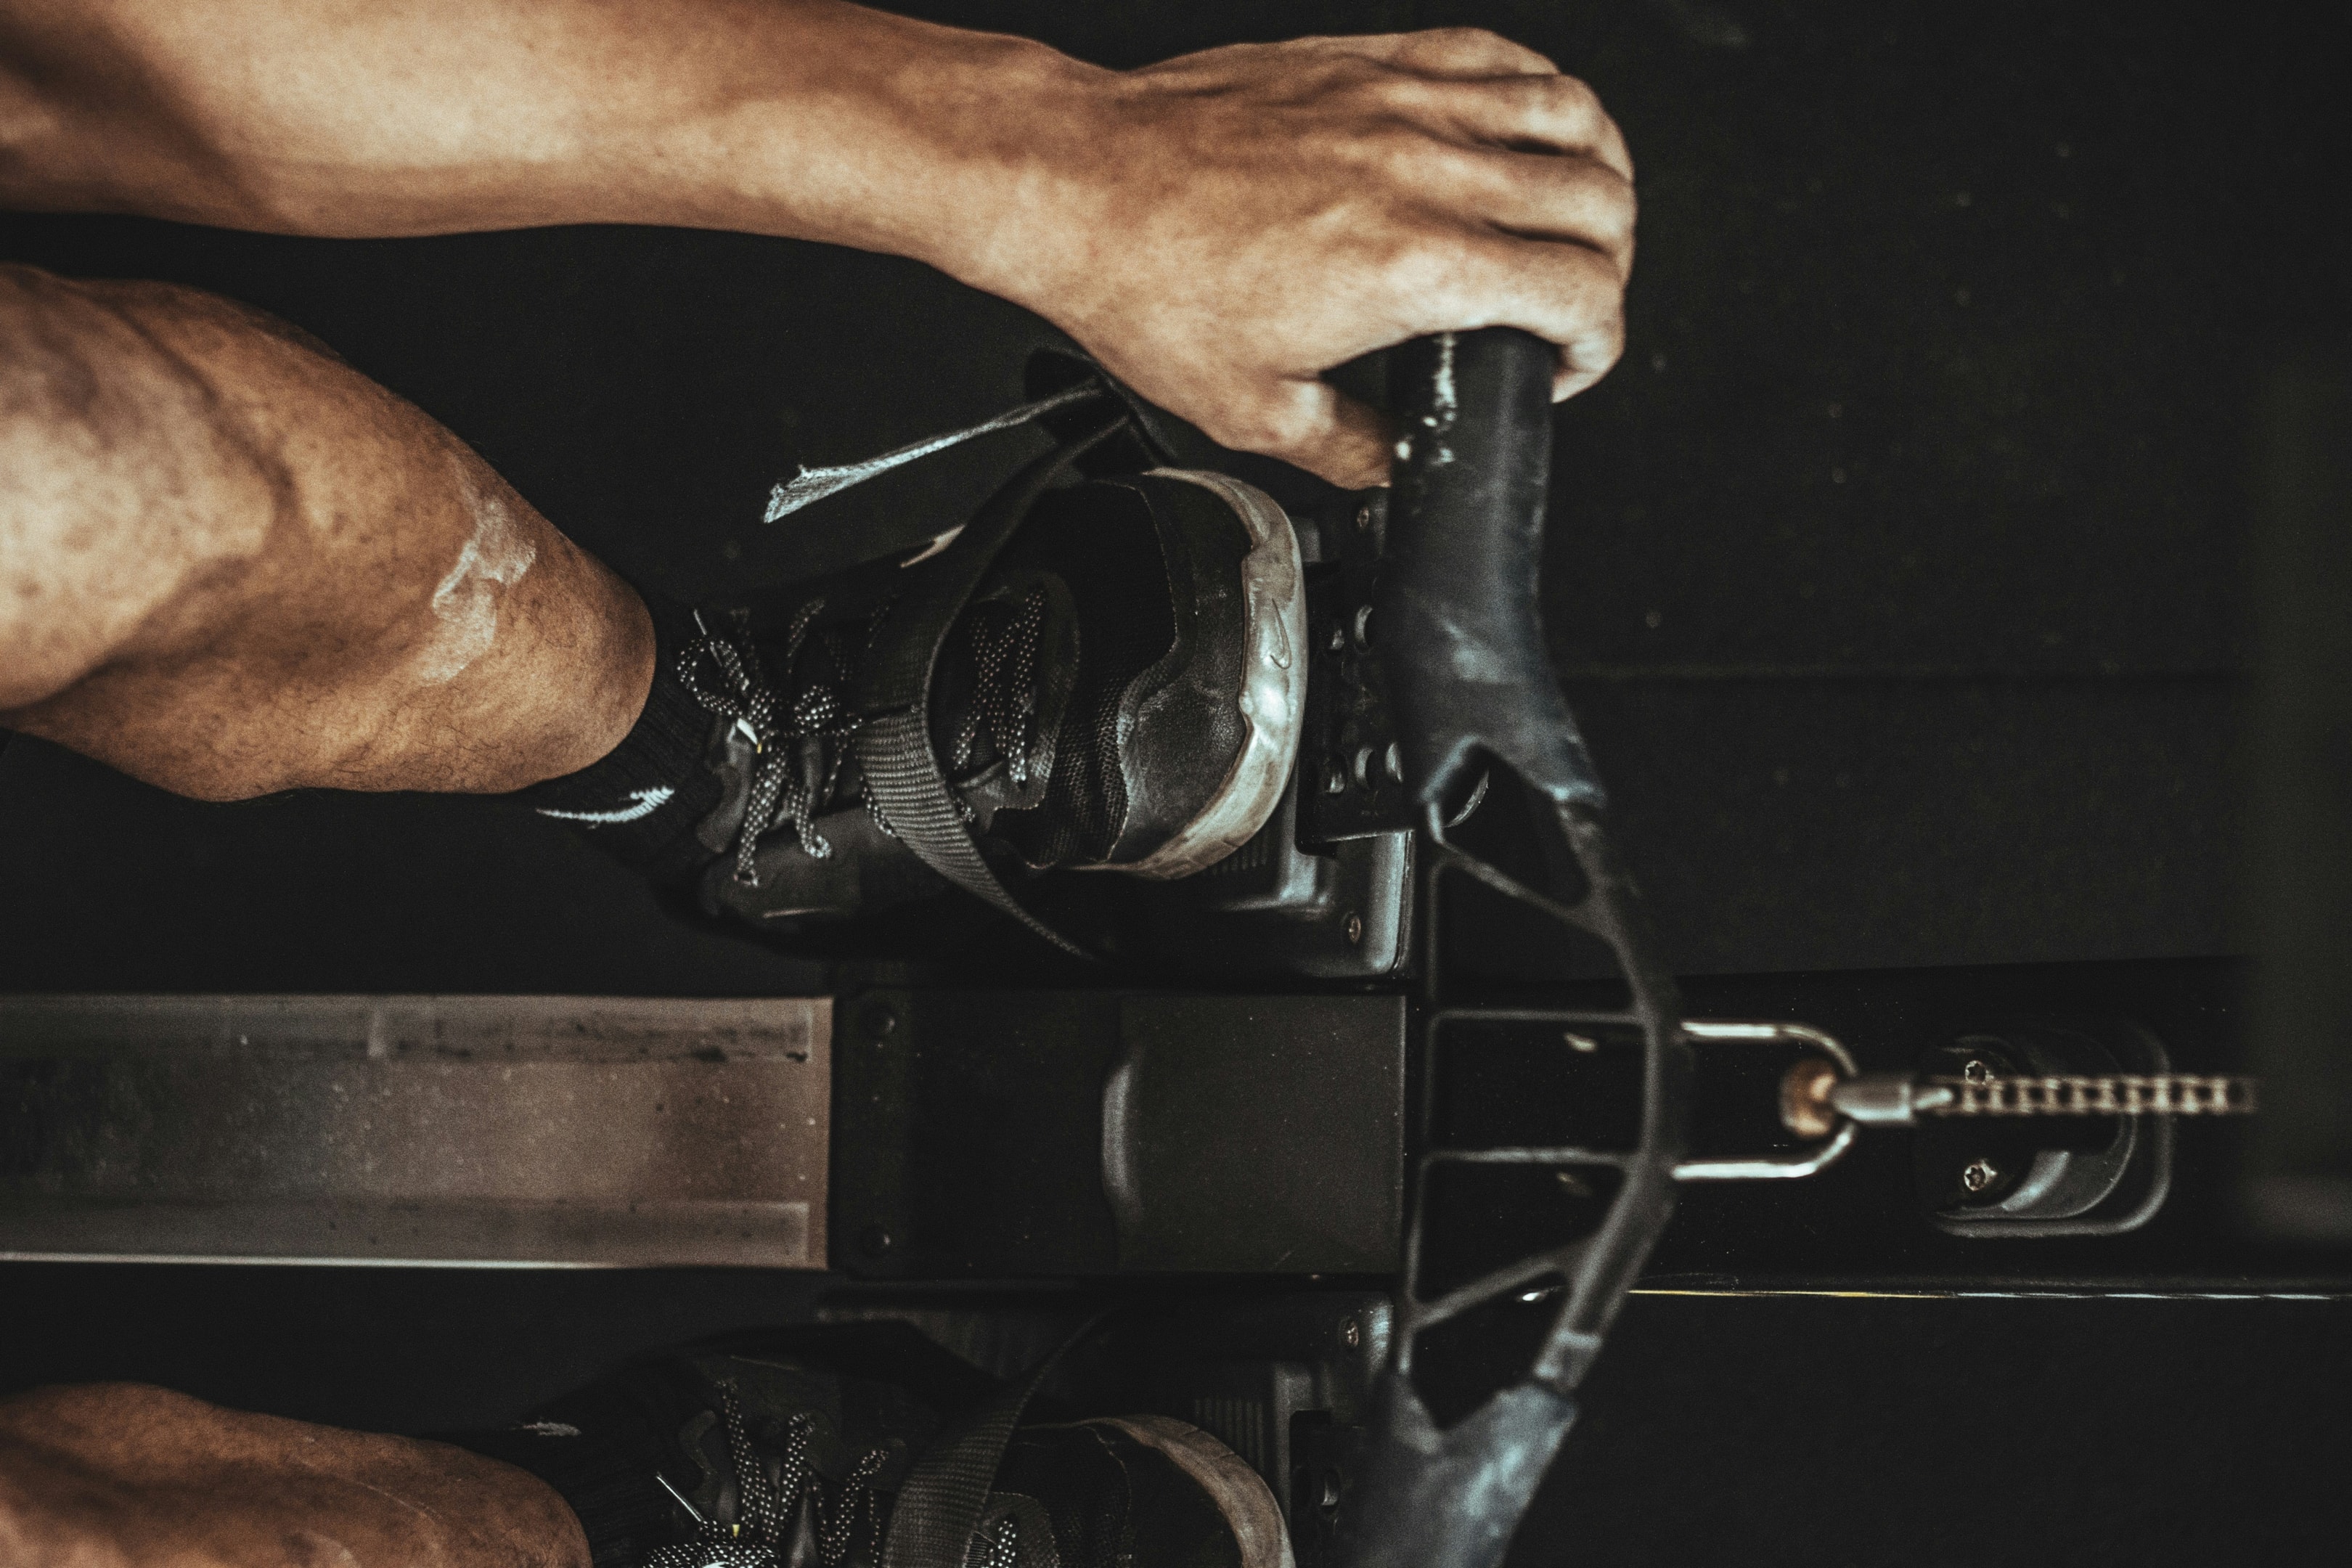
(1219, 229)
(803, 118)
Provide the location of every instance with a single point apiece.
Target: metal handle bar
(1455, 609)
(1462, 647)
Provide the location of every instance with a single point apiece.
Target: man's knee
(123, 476)
(65, 1494)
(129, 1476)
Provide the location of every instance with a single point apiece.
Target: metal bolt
(1352, 1334)
(1355, 930)
(1364, 774)
(1805, 1108)
(1981, 1174)
(1364, 517)
(1334, 780)
(1339, 638)
(1975, 1072)
(1364, 627)
(1392, 763)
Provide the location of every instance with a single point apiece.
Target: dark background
(1900, 573)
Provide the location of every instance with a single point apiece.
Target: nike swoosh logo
(648, 802)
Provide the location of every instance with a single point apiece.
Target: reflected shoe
(1140, 1491)
(775, 1459)
(1124, 691)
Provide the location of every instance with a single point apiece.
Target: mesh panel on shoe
(1102, 543)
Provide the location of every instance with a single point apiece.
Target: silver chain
(1813, 1095)
(2114, 1094)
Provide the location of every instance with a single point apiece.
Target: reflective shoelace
(1004, 650)
(1002, 1550)
(779, 792)
(769, 1505)
(1005, 710)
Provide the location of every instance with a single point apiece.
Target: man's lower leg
(230, 565)
(123, 1476)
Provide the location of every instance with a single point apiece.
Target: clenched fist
(1239, 221)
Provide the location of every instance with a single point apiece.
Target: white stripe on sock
(648, 802)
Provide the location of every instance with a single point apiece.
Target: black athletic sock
(643, 800)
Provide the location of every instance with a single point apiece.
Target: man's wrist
(1041, 142)
(811, 119)
(971, 151)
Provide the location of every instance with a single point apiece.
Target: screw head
(1352, 1334)
(1980, 1175)
(1334, 780)
(1364, 517)
(1975, 1072)
(1355, 930)
(875, 1241)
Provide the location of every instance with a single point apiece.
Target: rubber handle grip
(1455, 615)
(1428, 1498)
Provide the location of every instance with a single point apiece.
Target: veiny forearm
(1219, 229)
(803, 118)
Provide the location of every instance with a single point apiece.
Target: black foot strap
(946, 1492)
(894, 745)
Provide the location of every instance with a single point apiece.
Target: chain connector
(1825, 1097)
(1831, 1136)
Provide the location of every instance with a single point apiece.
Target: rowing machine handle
(1461, 644)
(1454, 613)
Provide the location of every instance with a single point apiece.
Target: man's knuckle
(1575, 114)
(1235, 425)
(1270, 425)
(1572, 96)
(1412, 269)
(1450, 49)
(1593, 206)
(1398, 94)
(1286, 428)
(1615, 214)
(1569, 111)
(1401, 154)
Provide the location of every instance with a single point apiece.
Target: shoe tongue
(1000, 690)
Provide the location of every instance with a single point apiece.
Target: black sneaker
(777, 1459)
(1121, 687)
